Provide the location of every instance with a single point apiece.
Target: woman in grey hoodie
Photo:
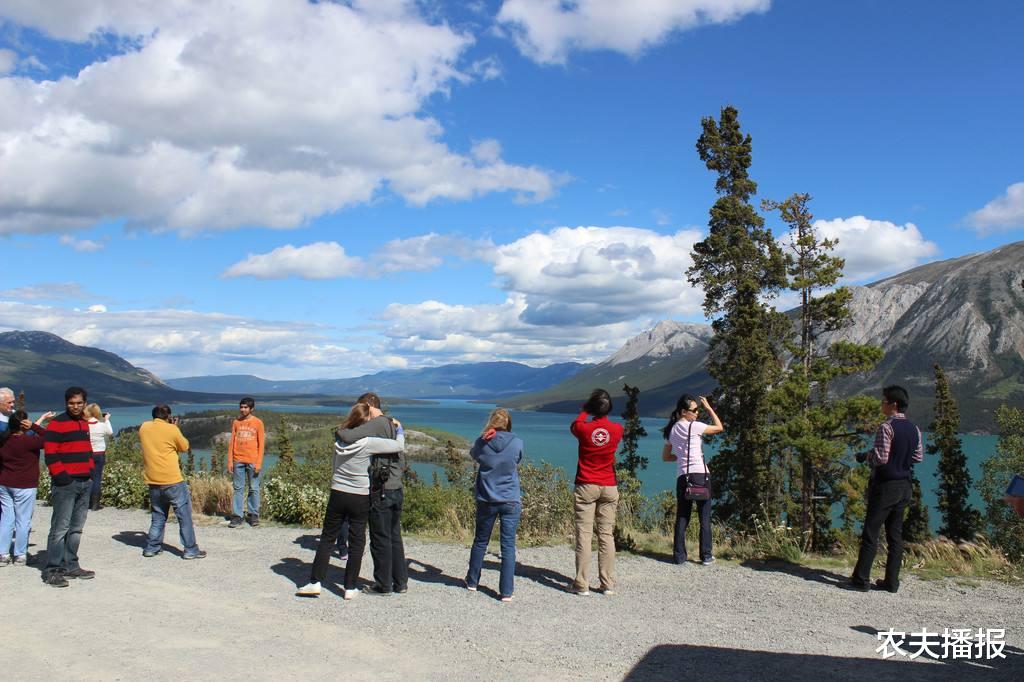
(498, 452)
(350, 498)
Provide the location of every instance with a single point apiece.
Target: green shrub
(43, 491)
(547, 503)
(123, 486)
(291, 503)
(437, 509)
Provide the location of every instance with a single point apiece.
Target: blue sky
(297, 189)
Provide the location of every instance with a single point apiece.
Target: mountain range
(478, 380)
(966, 314)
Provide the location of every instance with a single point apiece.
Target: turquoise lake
(546, 437)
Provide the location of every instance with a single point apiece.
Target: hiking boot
(80, 574)
(254, 520)
(56, 579)
(308, 590)
(235, 522)
(198, 555)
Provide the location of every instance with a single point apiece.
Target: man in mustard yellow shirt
(162, 442)
(245, 461)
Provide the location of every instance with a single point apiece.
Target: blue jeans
(486, 513)
(99, 459)
(240, 473)
(161, 499)
(70, 508)
(18, 505)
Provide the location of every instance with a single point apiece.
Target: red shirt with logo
(599, 439)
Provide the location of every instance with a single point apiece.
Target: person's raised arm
(716, 424)
(578, 422)
(385, 446)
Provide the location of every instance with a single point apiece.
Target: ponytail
(682, 405)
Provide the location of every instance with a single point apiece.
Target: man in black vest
(898, 446)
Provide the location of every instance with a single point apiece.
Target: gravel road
(234, 616)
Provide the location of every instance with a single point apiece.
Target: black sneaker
(881, 584)
(80, 574)
(401, 590)
(254, 520)
(858, 586)
(235, 522)
(376, 590)
(149, 554)
(56, 579)
(198, 555)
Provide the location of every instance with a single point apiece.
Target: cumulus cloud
(82, 245)
(571, 294)
(328, 260)
(876, 247)
(548, 30)
(216, 115)
(180, 342)
(1002, 213)
(8, 60)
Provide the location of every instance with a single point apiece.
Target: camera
(861, 457)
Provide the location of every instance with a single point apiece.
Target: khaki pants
(604, 500)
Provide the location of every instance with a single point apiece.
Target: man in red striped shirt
(68, 454)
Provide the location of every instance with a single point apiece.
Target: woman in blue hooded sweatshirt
(498, 452)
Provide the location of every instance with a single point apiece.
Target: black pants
(684, 508)
(99, 458)
(887, 502)
(340, 506)
(390, 571)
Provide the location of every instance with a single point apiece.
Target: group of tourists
(366, 488)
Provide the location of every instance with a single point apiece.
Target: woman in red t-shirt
(19, 479)
(596, 492)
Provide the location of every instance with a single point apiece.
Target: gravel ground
(234, 615)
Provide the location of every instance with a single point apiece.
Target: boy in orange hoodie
(245, 461)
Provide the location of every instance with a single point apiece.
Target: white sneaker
(309, 590)
(350, 594)
(580, 593)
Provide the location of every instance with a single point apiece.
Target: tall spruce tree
(812, 429)
(960, 521)
(915, 527)
(1004, 526)
(630, 460)
(738, 265)
(285, 450)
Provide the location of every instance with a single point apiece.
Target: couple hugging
(366, 487)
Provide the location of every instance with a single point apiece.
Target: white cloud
(486, 69)
(48, 291)
(97, 308)
(1002, 213)
(218, 115)
(876, 247)
(82, 245)
(571, 293)
(8, 60)
(328, 260)
(180, 342)
(547, 30)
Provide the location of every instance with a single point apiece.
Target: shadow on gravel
(308, 542)
(544, 576)
(297, 571)
(663, 557)
(680, 661)
(432, 574)
(138, 539)
(913, 643)
(816, 575)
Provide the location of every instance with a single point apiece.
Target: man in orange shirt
(245, 461)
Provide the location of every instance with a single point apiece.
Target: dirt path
(234, 616)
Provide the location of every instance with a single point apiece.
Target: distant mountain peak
(667, 337)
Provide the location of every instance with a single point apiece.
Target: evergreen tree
(738, 265)
(632, 432)
(915, 527)
(283, 443)
(960, 521)
(190, 463)
(812, 430)
(219, 458)
(457, 472)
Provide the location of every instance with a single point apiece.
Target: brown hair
(371, 399)
(357, 416)
(94, 411)
(500, 420)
